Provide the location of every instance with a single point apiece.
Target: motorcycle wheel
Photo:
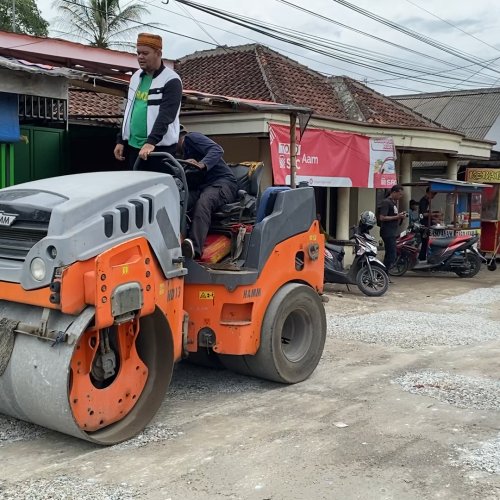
(400, 267)
(373, 288)
(474, 263)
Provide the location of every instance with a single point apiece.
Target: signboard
(333, 159)
(9, 123)
(450, 233)
(484, 175)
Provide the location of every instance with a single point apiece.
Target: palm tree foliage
(100, 23)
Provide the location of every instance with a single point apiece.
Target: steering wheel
(194, 175)
(175, 169)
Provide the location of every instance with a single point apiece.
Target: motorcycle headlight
(38, 269)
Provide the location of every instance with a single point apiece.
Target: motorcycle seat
(442, 242)
(334, 248)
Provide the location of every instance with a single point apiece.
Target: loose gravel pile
(409, 329)
(151, 434)
(458, 390)
(477, 297)
(191, 381)
(486, 457)
(12, 430)
(66, 488)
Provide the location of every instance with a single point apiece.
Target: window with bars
(42, 108)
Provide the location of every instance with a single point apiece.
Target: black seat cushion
(248, 176)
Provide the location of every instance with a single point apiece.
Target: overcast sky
(472, 28)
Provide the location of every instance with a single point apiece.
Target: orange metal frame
(92, 283)
(236, 316)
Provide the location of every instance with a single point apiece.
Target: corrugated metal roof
(39, 69)
(472, 112)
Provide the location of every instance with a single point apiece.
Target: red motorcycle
(456, 254)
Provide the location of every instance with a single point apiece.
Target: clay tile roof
(100, 108)
(377, 108)
(257, 72)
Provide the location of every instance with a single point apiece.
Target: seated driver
(218, 187)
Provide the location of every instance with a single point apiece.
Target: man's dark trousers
(210, 199)
(390, 251)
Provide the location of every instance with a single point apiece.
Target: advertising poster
(333, 159)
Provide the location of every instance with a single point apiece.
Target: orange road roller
(97, 302)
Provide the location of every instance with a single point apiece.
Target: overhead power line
(453, 26)
(317, 61)
(427, 56)
(155, 27)
(364, 33)
(334, 50)
(413, 34)
(300, 41)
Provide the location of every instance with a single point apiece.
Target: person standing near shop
(390, 219)
(151, 118)
(413, 214)
(425, 211)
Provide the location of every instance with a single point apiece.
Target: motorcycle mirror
(492, 265)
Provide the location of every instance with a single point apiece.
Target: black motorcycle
(366, 271)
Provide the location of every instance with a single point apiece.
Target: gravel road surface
(405, 404)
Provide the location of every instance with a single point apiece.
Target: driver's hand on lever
(145, 150)
(197, 164)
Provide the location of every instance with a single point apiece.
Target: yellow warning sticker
(207, 295)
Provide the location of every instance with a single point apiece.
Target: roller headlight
(38, 269)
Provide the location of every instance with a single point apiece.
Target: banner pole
(293, 150)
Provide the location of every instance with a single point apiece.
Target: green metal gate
(41, 154)
(6, 165)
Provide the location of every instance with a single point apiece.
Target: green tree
(28, 19)
(100, 23)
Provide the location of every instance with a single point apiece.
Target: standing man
(218, 186)
(390, 219)
(424, 208)
(151, 119)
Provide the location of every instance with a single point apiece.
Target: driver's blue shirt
(202, 149)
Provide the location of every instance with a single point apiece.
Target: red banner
(333, 159)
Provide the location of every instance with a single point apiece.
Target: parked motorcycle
(366, 271)
(456, 254)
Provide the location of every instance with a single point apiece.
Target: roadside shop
(490, 210)
(456, 207)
